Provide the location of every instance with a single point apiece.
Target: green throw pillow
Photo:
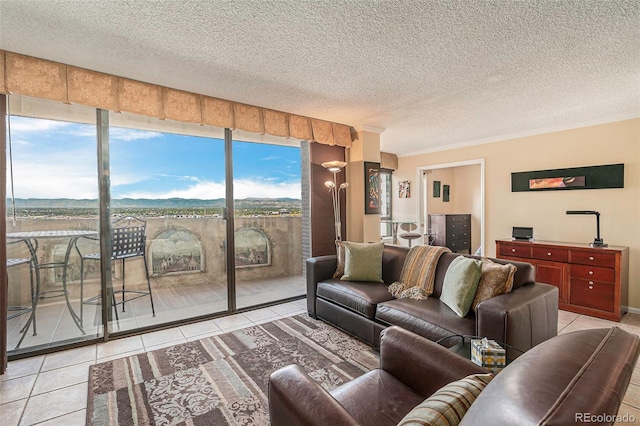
(460, 284)
(363, 262)
(448, 405)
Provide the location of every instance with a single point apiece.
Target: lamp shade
(334, 166)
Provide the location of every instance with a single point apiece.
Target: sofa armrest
(522, 318)
(319, 268)
(418, 362)
(295, 399)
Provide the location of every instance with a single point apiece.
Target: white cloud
(47, 181)
(127, 135)
(210, 190)
(25, 124)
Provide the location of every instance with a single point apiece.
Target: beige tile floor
(52, 389)
(54, 322)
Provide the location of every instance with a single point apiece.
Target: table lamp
(597, 242)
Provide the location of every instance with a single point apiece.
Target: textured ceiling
(431, 73)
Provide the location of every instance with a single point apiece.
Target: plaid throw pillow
(448, 404)
(419, 271)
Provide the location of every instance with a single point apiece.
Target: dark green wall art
(592, 177)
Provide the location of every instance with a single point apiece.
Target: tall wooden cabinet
(452, 231)
(591, 281)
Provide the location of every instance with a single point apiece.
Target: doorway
(465, 189)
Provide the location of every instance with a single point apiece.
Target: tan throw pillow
(496, 279)
(448, 405)
(340, 254)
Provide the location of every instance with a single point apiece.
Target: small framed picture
(436, 189)
(404, 189)
(445, 193)
(371, 188)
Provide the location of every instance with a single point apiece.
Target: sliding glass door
(127, 220)
(174, 186)
(52, 191)
(268, 223)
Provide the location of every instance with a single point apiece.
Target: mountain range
(148, 203)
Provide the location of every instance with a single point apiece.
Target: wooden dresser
(452, 231)
(591, 281)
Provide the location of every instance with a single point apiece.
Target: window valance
(44, 79)
(388, 161)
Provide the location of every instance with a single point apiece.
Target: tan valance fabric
(44, 79)
(300, 127)
(92, 88)
(388, 161)
(3, 87)
(217, 112)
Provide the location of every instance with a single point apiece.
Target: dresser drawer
(514, 250)
(458, 234)
(593, 257)
(552, 254)
(592, 294)
(458, 218)
(457, 226)
(455, 245)
(595, 273)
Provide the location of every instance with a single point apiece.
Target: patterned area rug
(222, 379)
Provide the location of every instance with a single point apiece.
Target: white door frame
(422, 205)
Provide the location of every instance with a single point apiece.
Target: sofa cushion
(460, 284)
(376, 398)
(429, 318)
(448, 405)
(363, 261)
(358, 296)
(496, 279)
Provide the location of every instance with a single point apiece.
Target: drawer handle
(590, 257)
(590, 282)
(549, 254)
(590, 272)
(590, 287)
(513, 250)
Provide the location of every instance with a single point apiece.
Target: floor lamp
(335, 167)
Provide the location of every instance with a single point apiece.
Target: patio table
(31, 239)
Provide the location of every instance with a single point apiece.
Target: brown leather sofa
(523, 318)
(573, 378)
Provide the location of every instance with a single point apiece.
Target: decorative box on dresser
(591, 280)
(452, 231)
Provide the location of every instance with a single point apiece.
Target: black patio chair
(128, 240)
(34, 291)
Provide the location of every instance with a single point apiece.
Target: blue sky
(54, 159)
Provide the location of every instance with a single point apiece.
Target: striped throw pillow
(448, 404)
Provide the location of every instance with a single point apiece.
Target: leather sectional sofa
(575, 378)
(522, 318)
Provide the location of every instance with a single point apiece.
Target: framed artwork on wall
(371, 188)
(590, 177)
(445, 193)
(436, 189)
(404, 189)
